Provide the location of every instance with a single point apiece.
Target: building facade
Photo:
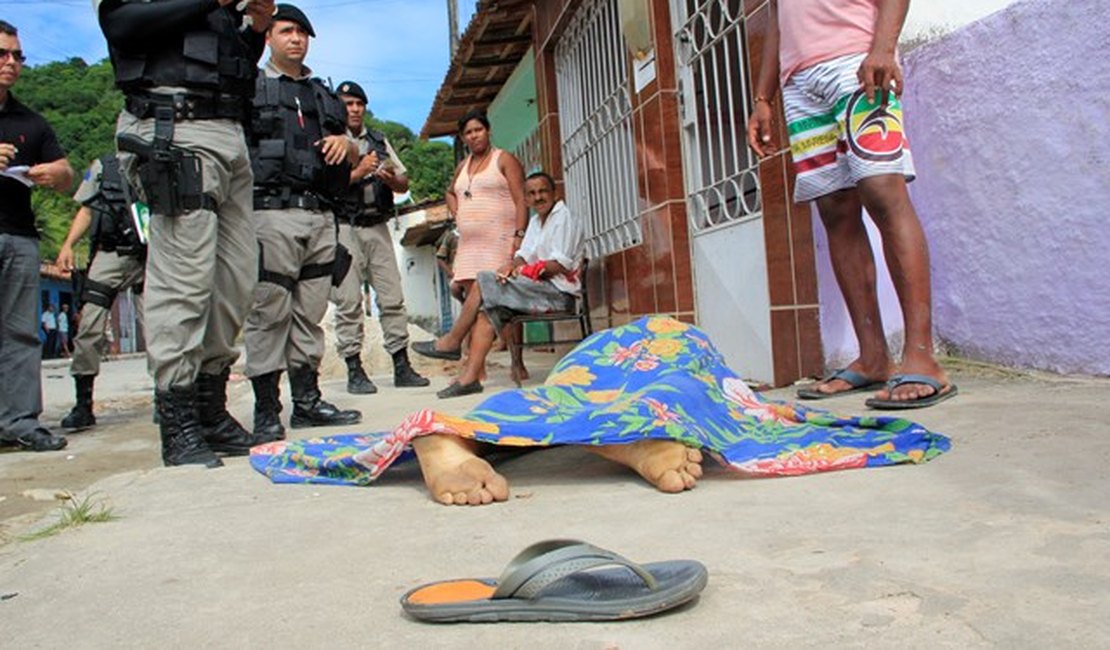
(648, 145)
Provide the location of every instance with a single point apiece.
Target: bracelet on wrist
(761, 98)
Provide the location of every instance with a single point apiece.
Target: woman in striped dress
(487, 199)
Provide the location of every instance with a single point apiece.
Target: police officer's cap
(352, 89)
(288, 12)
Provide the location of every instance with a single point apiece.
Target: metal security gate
(595, 113)
(722, 182)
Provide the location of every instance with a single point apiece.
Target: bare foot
(519, 374)
(668, 465)
(454, 473)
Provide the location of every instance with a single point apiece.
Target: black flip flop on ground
(561, 580)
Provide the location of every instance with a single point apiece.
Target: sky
(397, 50)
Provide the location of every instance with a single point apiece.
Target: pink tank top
(812, 31)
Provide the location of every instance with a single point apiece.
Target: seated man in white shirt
(542, 278)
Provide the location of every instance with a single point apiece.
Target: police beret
(288, 12)
(352, 89)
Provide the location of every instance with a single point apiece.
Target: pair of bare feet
(456, 475)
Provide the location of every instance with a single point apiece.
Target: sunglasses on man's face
(15, 54)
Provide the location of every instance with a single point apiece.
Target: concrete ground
(1003, 542)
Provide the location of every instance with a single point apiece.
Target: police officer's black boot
(267, 406)
(81, 417)
(357, 381)
(222, 432)
(403, 374)
(182, 435)
(309, 410)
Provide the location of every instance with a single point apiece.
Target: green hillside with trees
(81, 104)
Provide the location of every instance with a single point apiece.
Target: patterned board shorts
(837, 136)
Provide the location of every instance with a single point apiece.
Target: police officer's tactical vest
(289, 118)
(113, 229)
(210, 54)
(379, 208)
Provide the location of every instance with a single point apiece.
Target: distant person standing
(31, 156)
(116, 264)
(363, 231)
(187, 70)
(49, 324)
(63, 331)
(447, 246)
(835, 61)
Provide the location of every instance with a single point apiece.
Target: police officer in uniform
(302, 162)
(187, 69)
(116, 264)
(362, 217)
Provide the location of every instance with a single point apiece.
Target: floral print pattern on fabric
(654, 378)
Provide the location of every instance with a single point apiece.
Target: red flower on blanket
(816, 458)
(622, 354)
(648, 362)
(738, 392)
(661, 411)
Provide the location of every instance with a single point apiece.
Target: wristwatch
(519, 234)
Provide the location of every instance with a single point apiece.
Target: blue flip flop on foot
(857, 382)
(939, 394)
(561, 580)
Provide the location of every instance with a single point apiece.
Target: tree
(430, 164)
(81, 104)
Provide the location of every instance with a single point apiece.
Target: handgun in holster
(170, 175)
(343, 261)
(77, 279)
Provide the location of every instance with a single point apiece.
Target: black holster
(77, 279)
(343, 261)
(170, 175)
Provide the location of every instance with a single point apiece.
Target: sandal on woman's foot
(458, 390)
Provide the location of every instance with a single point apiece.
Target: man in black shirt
(29, 156)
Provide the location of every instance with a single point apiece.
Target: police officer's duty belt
(368, 220)
(287, 200)
(187, 106)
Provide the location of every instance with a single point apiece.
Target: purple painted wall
(1009, 121)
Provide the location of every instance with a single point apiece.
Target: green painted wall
(513, 115)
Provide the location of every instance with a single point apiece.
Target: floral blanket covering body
(654, 378)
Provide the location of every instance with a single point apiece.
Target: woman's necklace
(470, 175)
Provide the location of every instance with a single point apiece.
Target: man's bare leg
(668, 465)
(481, 340)
(907, 257)
(455, 474)
(854, 267)
(512, 334)
(453, 339)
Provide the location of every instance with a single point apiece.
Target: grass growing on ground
(73, 513)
